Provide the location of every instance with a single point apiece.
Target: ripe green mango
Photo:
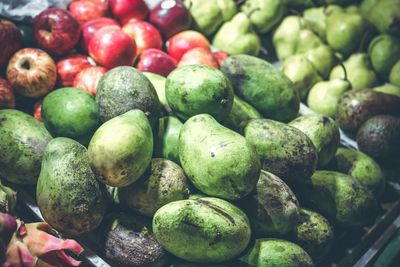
(263, 86)
(323, 132)
(384, 52)
(268, 252)
(70, 112)
(342, 198)
(273, 209)
(162, 183)
(22, 145)
(361, 167)
(283, 150)
(121, 149)
(167, 139)
(68, 194)
(216, 230)
(314, 234)
(229, 165)
(197, 89)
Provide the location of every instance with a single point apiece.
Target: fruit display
(199, 133)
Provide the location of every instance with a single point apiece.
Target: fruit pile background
(199, 133)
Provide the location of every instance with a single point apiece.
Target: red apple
(156, 61)
(111, 47)
(184, 41)
(7, 96)
(124, 10)
(91, 27)
(170, 17)
(56, 31)
(69, 67)
(32, 72)
(85, 10)
(220, 56)
(37, 110)
(10, 40)
(197, 56)
(145, 35)
(88, 79)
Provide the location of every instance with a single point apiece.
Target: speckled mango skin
(219, 161)
(268, 252)
(263, 86)
(22, 145)
(283, 150)
(342, 198)
(323, 132)
(121, 149)
(197, 89)
(361, 167)
(314, 234)
(124, 88)
(273, 210)
(164, 182)
(215, 229)
(70, 112)
(241, 113)
(68, 194)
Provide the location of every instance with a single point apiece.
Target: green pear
(315, 19)
(301, 72)
(345, 30)
(384, 52)
(324, 96)
(359, 72)
(385, 16)
(263, 14)
(209, 15)
(388, 89)
(323, 59)
(307, 40)
(367, 6)
(394, 76)
(238, 37)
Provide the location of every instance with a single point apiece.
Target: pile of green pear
(206, 166)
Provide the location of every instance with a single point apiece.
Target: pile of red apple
(75, 47)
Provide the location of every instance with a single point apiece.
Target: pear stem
(252, 11)
(299, 16)
(363, 40)
(344, 71)
(190, 5)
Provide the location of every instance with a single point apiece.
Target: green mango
(359, 72)
(385, 16)
(197, 89)
(379, 137)
(209, 15)
(356, 106)
(283, 150)
(301, 72)
(23, 141)
(323, 132)
(273, 209)
(70, 112)
(268, 252)
(167, 139)
(163, 183)
(388, 89)
(129, 241)
(324, 96)
(68, 195)
(121, 149)
(263, 14)
(345, 30)
(125, 88)
(238, 37)
(229, 165)
(361, 167)
(216, 230)
(314, 234)
(384, 52)
(263, 86)
(158, 82)
(323, 59)
(394, 76)
(342, 198)
(241, 113)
